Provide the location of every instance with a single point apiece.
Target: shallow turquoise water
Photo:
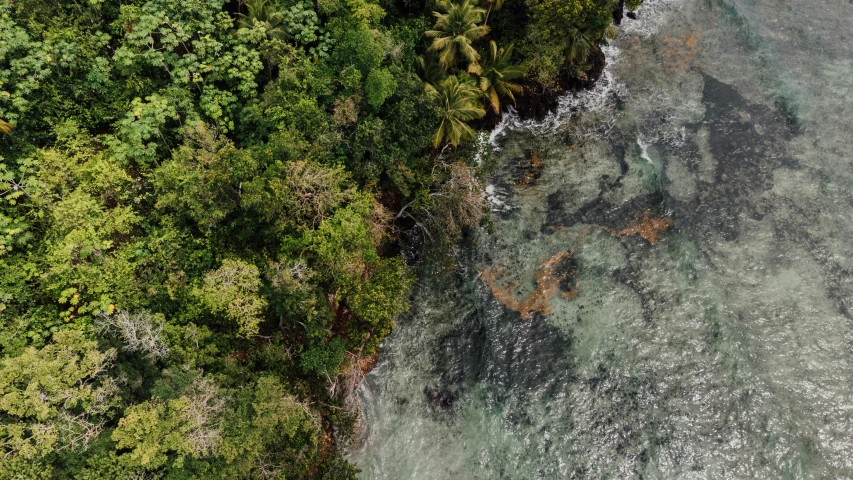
(724, 350)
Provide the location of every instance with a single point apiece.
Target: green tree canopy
(55, 398)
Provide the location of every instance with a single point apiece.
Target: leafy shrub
(379, 86)
(324, 359)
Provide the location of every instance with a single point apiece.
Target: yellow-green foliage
(187, 426)
(54, 398)
(232, 290)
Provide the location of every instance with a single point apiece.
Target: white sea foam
(644, 149)
(497, 199)
(598, 98)
(651, 15)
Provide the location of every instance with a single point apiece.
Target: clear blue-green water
(724, 349)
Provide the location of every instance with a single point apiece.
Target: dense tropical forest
(212, 212)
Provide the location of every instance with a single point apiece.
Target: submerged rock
(440, 398)
(598, 211)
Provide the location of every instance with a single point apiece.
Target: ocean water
(667, 292)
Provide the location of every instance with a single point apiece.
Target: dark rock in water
(566, 271)
(440, 398)
(598, 62)
(748, 142)
(461, 355)
(528, 170)
(598, 211)
(632, 15)
(526, 355)
(618, 12)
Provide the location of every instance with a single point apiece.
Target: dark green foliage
(562, 34)
(379, 86)
(324, 359)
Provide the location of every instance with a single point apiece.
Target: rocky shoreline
(536, 100)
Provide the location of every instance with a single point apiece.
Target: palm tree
(454, 31)
(431, 72)
(578, 49)
(459, 103)
(496, 76)
(6, 127)
(272, 20)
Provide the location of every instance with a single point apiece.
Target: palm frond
(458, 103)
(496, 73)
(272, 20)
(454, 30)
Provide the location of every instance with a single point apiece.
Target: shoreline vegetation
(212, 212)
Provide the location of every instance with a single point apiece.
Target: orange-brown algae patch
(680, 51)
(646, 225)
(539, 300)
(532, 170)
(584, 233)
